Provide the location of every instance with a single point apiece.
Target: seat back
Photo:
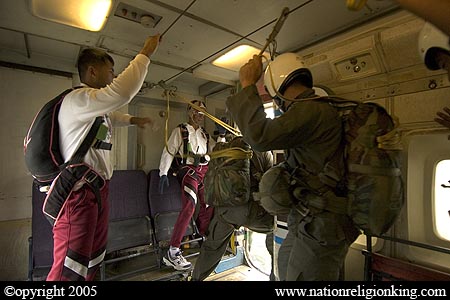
(165, 207)
(129, 226)
(127, 189)
(129, 219)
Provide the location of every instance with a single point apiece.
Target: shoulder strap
(184, 136)
(87, 143)
(207, 138)
(88, 140)
(257, 163)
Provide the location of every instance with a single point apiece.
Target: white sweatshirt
(196, 138)
(81, 106)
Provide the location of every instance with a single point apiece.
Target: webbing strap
(185, 137)
(329, 201)
(321, 196)
(83, 149)
(87, 143)
(365, 169)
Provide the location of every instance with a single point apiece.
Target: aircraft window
(441, 205)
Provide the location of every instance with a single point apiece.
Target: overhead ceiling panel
(12, 40)
(157, 73)
(134, 32)
(191, 39)
(129, 50)
(119, 46)
(319, 19)
(251, 17)
(179, 4)
(56, 49)
(206, 30)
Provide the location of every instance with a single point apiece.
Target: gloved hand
(220, 129)
(163, 181)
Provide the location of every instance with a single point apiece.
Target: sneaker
(178, 262)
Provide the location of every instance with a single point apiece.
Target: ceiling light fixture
(85, 14)
(237, 57)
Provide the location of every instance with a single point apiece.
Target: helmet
(280, 72)
(432, 39)
(275, 191)
(320, 91)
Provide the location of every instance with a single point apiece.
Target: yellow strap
(232, 153)
(213, 118)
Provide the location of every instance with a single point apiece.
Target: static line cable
(244, 37)
(176, 20)
(276, 29)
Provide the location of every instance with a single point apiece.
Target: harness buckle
(90, 177)
(302, 209)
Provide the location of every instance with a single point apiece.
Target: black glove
(163, 181)
(221, 130)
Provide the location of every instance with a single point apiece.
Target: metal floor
(238, 273)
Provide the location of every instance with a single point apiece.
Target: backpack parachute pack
(44, 160)
(233, 178)
(371, 191)
(373, 161)
(227, 181)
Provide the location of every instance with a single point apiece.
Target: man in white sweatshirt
(80, 230)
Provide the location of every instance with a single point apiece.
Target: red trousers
(80, 236)
(192, 194)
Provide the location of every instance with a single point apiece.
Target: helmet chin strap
(280, 103)
(280, 100)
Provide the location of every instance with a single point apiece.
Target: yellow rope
(213, 118)
(231, 153)
(166, 126)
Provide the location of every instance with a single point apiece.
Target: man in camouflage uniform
(310, 132)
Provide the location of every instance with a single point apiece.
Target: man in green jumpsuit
(310, 132)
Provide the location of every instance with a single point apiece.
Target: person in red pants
(81, 227)
(191, 142)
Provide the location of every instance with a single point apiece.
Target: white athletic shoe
(178, 262)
